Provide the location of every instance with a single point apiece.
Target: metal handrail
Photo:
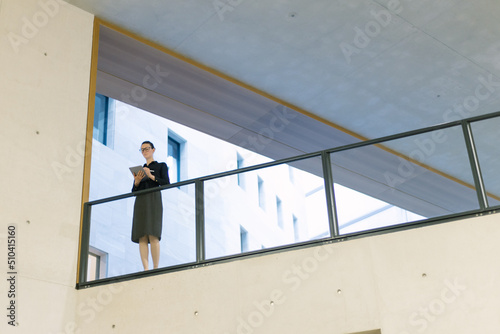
(300, 157)
(329, 192)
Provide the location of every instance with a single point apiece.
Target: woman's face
(147, 151)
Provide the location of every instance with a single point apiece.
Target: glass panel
(488, 152)
(404, 180)
(272, 210)
(111, 226)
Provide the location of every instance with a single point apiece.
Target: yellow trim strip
(89, 134)
(227, 78)
(273, 98)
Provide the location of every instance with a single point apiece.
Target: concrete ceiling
(375, 67)
(360, 68)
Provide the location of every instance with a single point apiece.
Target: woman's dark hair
(148, 142)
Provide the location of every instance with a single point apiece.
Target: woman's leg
(155, 250)
(144, 251)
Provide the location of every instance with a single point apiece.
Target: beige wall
(438, 279)
(45, 49)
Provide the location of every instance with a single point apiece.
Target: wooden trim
(89, 132)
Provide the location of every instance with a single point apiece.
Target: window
(279, 212)
(262, 195)
(240, 164)
(296, 234)
(174, 160)
(243, 239)
(291, 174)
(103, 120)
(97, 264)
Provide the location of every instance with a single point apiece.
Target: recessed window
(174, 160)
(262, 194)
(279, 212)
(103, 120)
(97, 264)
(291, 174)
(296, 235)
(240, 163)
(244, 240)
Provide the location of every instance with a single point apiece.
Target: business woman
(148, 208)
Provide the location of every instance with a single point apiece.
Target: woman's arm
(137, 180)
(162, 177)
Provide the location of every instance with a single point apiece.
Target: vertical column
(84, 244)
(330, 196)
(200, 221)
(474, 163)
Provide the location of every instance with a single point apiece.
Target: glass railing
(264, 208)
(402, 180)
(111, 226)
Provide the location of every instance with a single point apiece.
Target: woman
(148, 208)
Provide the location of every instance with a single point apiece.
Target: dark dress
(148, 208)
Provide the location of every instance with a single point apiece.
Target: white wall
(45, 49)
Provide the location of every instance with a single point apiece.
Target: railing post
(474, 163)
(330, 196)
(84, 250)
(200, 221)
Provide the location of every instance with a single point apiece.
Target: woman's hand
(148, 173)
(138, 177)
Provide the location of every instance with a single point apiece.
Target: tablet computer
(137, 169)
